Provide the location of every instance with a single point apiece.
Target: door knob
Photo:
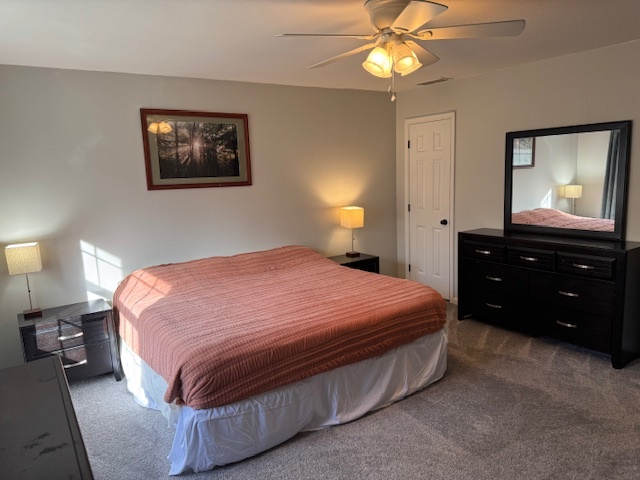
(443, 221)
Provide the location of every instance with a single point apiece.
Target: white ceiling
(234, 39)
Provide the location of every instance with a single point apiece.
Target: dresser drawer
(49, 337)
(497, 308)
(531, 258)
(579, 328)
(484, 251)
(582, 294)
(587, 266)
(497, 277)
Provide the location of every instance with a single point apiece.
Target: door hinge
(409, 267)
(408, 207)
(408, 143)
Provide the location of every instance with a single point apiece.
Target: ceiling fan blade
(344, 55)
(328, 35)
(416, 14)
(425, 56)
(478, 30)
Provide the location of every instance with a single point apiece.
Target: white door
(429, 210)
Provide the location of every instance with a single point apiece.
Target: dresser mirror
(568, 180)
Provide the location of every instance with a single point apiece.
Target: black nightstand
(81, 334)
(368, 263)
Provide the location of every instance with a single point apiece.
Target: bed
(241, 353)
(550, 217)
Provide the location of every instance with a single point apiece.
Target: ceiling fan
(398, 24)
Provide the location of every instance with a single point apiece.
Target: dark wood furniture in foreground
(585, 292)
(368, 263)
(39, 434)
(82, 335)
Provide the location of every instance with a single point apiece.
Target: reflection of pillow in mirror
(550, 217)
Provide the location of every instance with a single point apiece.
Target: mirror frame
(622, 176)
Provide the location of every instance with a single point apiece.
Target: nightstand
(368, 263)
(81, 334)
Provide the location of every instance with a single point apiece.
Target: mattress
(207, 438)
(222, 329)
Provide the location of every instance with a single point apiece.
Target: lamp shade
(352, 217)
(573, 191)
(379, 63)
(23, 258)
(405, 61)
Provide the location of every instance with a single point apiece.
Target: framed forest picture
(185, 149)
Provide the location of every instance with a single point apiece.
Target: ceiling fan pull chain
(392, 88)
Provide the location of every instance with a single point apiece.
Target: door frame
(407, 247)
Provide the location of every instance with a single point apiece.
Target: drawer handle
(492, 305)
(483, 252)
(568, 325)
(493, 279)
(528, 259)
(69, 337)
(568, 294)
(77, 364)
(584, 267)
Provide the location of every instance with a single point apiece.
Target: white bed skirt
(213, 437)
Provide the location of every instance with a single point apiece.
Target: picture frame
(524, 152)
(191, 149)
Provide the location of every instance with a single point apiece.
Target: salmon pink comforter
(221, 329)
(550, 217)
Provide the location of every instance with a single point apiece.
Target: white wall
(555, 166)
(591, 87)
(593, 149)
(72, 171)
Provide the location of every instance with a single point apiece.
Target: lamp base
(33, 313)
(353, 254)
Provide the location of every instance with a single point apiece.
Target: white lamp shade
(379, 63)
(352, 217)
(573, 191)
(405, 61)
(23, 258)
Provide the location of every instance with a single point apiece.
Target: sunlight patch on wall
(547, 200)
(102, 271)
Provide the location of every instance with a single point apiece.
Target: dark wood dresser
(81, 334)
(585, 292)
(39, 434)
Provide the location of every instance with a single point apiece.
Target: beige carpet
(509, 407)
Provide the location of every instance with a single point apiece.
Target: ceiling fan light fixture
(379, 63)
(404, 59)
(158, 128)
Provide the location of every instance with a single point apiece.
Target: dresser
(584, 292)
(81, 334)
(39, 433)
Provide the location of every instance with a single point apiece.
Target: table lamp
(352, 217)
(573, 192)
(25, 258)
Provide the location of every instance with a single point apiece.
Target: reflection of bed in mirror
(573, 181)
(550, 217)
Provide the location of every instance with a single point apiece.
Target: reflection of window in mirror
(524, 152)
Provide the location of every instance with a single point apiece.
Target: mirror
(568, 180)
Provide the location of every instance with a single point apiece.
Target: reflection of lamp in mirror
(573, 192)
(25, 258)
(352, 217)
